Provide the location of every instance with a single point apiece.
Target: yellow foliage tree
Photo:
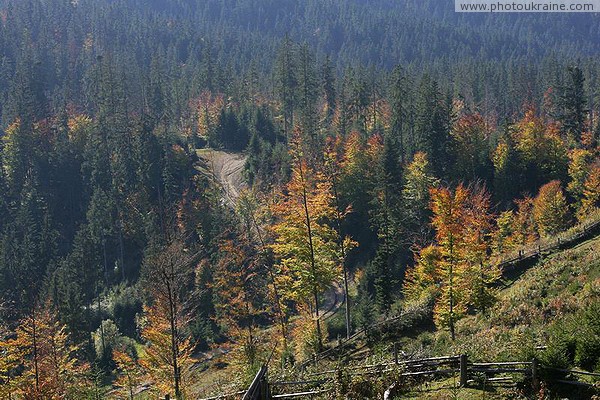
(167, 358)
(238, 284)
(550, 209)
(11, 357)
(579, 169)
(448, 220)
(590, 201)
(130, 373)
(455, 271)
(424, 277)
(479, 274)
(167, 271)
(209, 107)
(539, 144)
(50, 369)
(305, 245)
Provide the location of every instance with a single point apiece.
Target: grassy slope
(527, 309)
(555, 288)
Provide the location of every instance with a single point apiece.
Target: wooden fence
(532, 252)
(260, 389)
(468, 373)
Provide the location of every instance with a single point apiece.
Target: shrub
(336, 325)
(126, 304)
(587, 348)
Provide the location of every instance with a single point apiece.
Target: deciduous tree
(305, 244)
(550, 209)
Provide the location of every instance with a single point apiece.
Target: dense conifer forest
(394, 153)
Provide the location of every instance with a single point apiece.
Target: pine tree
(328, 87)
(573, 105)
(386, 218)
(399, 109)
(307, 93)
(286, 83)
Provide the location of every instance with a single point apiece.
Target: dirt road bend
(226, 168)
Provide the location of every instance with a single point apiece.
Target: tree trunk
(174, 349)
(312, 259)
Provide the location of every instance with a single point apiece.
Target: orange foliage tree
(167, 356)
(239, 287)
(333, 159)
(455, 271)
(41, 347)
(130, 372)
(167, 274)
(470, 134)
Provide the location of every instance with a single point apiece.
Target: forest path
(226, 168)
(334, 299)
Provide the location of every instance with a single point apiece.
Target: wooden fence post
(167, 397)
(534, 375)
(396, 353)
(463, 370)
(264, 388)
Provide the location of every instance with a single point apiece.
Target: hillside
(193, 189)
(546, 296)
(531, 311)
(537, 315)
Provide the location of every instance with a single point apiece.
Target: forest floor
(225, 168)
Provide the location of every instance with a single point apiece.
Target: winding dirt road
(227, 169)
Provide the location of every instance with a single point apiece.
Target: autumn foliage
(455, 270)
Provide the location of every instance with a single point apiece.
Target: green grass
(448, 390)
(544, 296)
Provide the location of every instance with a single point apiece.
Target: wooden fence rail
(259, 388)
(445, 366)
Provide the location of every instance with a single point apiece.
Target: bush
(336, 325)
(587, 348)
(106, 338)
(559, 352)
(363, 312)
(126, 304)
